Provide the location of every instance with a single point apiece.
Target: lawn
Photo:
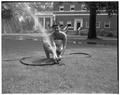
(96, 73)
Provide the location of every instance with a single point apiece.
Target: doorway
(46, 21)
(78, 23)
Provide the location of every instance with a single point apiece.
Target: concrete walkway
(71, 38)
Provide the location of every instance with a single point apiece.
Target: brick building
(75, 15)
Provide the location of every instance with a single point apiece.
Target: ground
(92, 73)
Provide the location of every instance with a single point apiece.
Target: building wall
(67, 5)
(106, 18)
(51, 13)
(78, 13)
(101, 19)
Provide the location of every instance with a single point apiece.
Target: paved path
(71, 38)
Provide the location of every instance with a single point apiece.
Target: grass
(80, 74)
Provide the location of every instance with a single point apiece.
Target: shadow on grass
(37, 62)
(80, 53)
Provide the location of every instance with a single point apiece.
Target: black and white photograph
(68, 47)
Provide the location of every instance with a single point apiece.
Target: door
(47, 22)
(77, 23)
(41, 21)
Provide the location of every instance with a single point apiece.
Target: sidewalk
(101, 40)
(71, 38)
(85, 37)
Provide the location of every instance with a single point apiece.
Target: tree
(15, 10)
(9, 21)
(96, 7)
(92, 22)
(14, 18)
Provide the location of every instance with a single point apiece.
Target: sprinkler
(57, 61)
(74, 42)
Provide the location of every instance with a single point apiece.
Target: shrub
(107, 33)
(110, 35)
(84, 32)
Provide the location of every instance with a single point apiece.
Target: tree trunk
(92, 22)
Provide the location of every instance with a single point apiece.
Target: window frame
(87, 24)
(83, 8)
(60, 8)
(61, 22)
(69, 22)
(107, 23)
(72, 6)
(98, 24)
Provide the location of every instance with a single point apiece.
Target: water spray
(41, 29)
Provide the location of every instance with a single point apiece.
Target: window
(72, 7)
(69, 23)
(87, 24)
(61, 8)
(107, 25)
(48, 23)
(61, 23)
(83, 7)
(97, 24)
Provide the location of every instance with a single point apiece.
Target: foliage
(6, 12)
(107, 33)
(98, 7)
(106, 7)
(12, 12)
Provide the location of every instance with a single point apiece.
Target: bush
(102, 32)
(84, 32)
(110, 35)
(107, 33)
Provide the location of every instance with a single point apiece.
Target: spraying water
(41, 29)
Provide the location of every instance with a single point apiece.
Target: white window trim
(60, 8)
(71, 28)
(75, 23)
(107, 23)
(69, 22)
(87, 24)
(98, 25)
(72, 6)
(82, 7)
(61, 22)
